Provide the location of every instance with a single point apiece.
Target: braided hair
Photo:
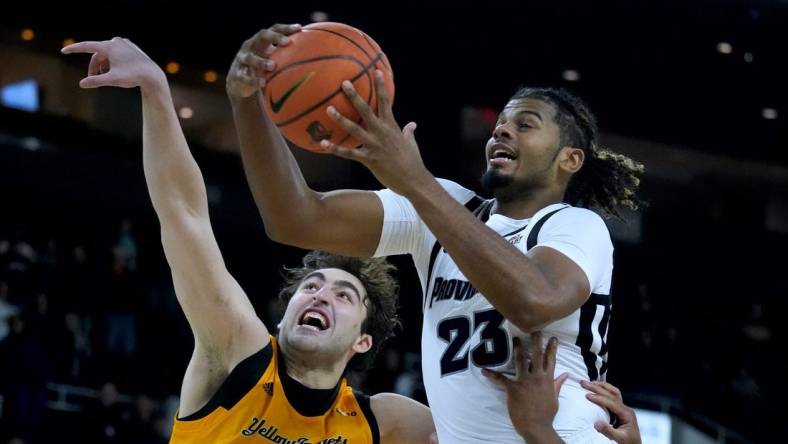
(607, 180)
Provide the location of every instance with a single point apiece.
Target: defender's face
(523, 144)
(325, 314)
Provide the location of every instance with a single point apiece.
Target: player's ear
(363, 343)
(570, 159)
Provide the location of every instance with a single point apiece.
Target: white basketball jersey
(462, 333)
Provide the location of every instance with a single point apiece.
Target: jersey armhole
(238, 383)
(363, 402)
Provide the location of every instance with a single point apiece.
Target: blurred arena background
(93, 345)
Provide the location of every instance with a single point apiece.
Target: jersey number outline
(492, 350)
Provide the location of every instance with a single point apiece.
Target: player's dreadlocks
(607, 180)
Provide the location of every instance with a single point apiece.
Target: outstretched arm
(222, 319)
(346, 222)
(530, 290)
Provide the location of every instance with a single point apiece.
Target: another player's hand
(389, 152)
(118, 62)
(532, 398)
(252, 63)
(609, 397)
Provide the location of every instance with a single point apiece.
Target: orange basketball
(308, 77)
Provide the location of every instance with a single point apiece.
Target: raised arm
(530, 290)
(222, 319)
(346, 222)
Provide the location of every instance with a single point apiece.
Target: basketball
(308, 77)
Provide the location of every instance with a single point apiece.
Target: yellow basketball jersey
(251, 407)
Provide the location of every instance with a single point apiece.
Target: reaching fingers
(613, 390)
(361, 106)
(85, 47)
(616, 407)
(384, 103)
(603, 388)
(348, 125)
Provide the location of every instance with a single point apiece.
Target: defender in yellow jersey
(242, 386)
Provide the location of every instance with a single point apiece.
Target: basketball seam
(326, 99)
(317, 59)
(346, 38)
(382, 60)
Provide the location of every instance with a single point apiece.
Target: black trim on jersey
(585, 336)
(306, 401)
(363, 402)
(518, 230)
(534, 234)
(483, 210)
(476, 205)
(238, 383)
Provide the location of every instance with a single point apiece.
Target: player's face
(523, 146)
(325, 315)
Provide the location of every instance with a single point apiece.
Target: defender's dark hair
(607, 180)
(382, 290)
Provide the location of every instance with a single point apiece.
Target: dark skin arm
(346, 222)
(531, 290)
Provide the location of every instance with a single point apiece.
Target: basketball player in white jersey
(533, 258)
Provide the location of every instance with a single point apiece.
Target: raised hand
(251, 63)
(117, 62)
(390, 153)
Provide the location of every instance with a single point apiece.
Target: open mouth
(502, 153)
(314, 320)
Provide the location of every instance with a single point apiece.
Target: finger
(361, 106)
(624, 413)
(90, 82)
(603, 388)
(246, 78)
(499, 379)
(409, 131)
(266, 40)
(612, 389)
(537, 352)
(259, 64)
(340, 151)
(433, 438)
(348, 125)
(559, 382)
(97, 65)
(384, 104)
(286, 29)
(609, 431)
(550, 354)
(84, 47)
(519, 358)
